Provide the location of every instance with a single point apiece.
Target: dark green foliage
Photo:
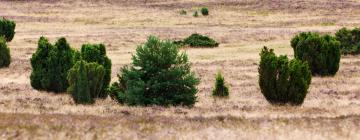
(321, 52)
(350, 40)
(183, 12)
(7, 29)
(50, 65)
(195, 14)
(85, 81)
(282, 81)
(159, 75)
(97, 53)
(4, 53)
(204, 11)
(197, 40)
(221, 89)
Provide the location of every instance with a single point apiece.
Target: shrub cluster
(97, 53)
(321, 52)
(4, 53)
(50, 65)
(350, 40)
(197, 40)
(204, 11)
(220, 90)
(86, 81)
(159, 75)
(7, 29)
(282, 81)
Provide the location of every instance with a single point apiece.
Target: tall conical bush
(5, 57)
(220, 90)
(7, 29)
(283, 81)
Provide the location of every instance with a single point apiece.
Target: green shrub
(50, 65)
(7, 29)
(159, 75)
(197, 40)
(4, 53)
(204, 11)
(321, 52)
(97, 53)
(183, 12)
(350, 40)
(195, 14)
(220, 89)
(282, 81)
(85, 81)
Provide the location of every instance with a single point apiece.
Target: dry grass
(331, 109)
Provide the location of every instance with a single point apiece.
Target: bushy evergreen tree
(7, 29)
(85, 81)
(159, 75)
(50, 65)
(79, 84)
(321, 52)
(282, 81)
(350, 40)
(220, 89)
(4, 53)
(97, 53)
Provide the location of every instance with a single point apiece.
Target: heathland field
(242, 27)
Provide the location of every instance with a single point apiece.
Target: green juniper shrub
(204, 11)
(198, 40)
(85, 81)
(7, 29)
(349, 39)
(321, 52)
(195, 14)
(50, 65)
(183, 12)
(4, 53)
(283, 81)
(220, 90)
(159, 75)
(97, 53)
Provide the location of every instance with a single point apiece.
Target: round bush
(204, 11)
(350, 40)
(159, 75)
(282, 81)
(97, 53)
(197, 40)
(85, 81)
(50, 65)
(321, 52)
(4, 53)
(7, 29)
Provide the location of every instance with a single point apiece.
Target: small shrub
(7, 29)
(349, 39)
(4, 53)
(195, 14)
(183, 12)
(220, 89)
(282, 81)
(85, 81)
(97, 53)
(321, 52)
(50, 65)
(204, 11)
(159, 75)
(197, 40)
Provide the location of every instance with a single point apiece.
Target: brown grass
(331, 109)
